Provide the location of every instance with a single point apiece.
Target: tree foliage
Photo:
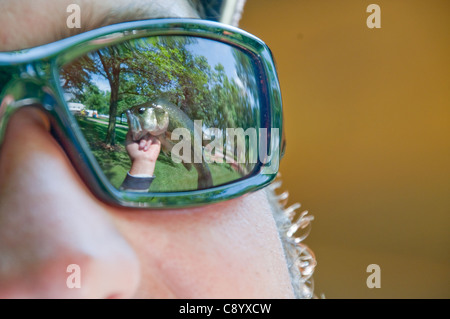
(146, 69)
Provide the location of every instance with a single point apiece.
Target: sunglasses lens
(185, 110)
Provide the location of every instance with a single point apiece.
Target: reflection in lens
(161, 106)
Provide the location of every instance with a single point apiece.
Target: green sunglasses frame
(35, 82)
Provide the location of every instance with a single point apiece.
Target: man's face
(50, 220)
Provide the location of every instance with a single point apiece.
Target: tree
(142, 70)
(93, 98)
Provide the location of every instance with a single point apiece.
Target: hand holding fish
(156, 121)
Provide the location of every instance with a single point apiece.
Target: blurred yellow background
(367, 115)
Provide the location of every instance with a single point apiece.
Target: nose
(56, 239)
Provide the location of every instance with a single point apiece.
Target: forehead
(29, 23)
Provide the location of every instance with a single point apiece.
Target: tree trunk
(112, 71)
(111, 133)
(113, 101)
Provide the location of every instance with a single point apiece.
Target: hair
(300, 260)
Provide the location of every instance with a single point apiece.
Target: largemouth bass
(159, 119)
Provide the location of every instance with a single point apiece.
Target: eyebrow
(136, 10)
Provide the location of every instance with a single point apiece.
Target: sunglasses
(158, 113)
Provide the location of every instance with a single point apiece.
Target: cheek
(227, 250)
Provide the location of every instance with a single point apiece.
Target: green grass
(169, 176)
(114, 162)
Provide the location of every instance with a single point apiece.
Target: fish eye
(142, 110)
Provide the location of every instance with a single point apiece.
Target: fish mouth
(134, 126)
(155, 122)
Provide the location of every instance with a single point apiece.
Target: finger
(148, 142)
(151, 144)
(142, 144)
(147, 145)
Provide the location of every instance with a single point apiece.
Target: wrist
(142, 167)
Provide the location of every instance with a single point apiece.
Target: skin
(49, 219)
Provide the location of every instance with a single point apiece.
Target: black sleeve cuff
(136, 183)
